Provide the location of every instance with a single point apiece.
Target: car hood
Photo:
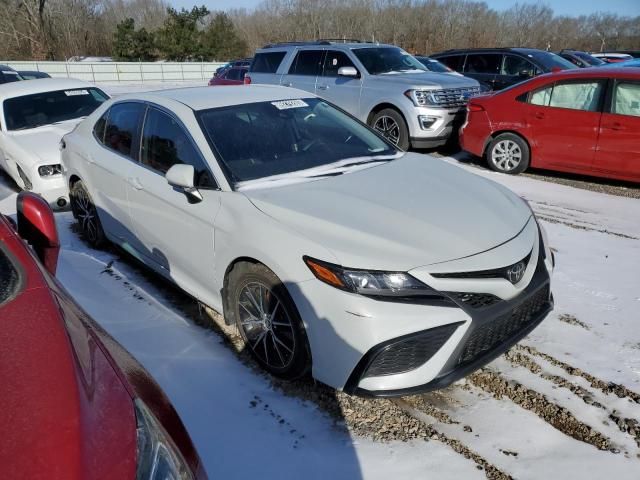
(410, 212)
(427, 79)
(44, 142)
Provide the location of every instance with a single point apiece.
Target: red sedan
(231, 76)
(583, 121)
(75, 404)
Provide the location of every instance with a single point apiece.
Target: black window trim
(601, 100)
(106, 119)
(172, 116)
(135, 140)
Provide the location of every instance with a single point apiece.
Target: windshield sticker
(71, 93)
(286, 104)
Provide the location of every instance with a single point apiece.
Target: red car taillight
(247, 80)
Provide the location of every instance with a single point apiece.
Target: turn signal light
(323, 273)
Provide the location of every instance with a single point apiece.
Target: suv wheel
(262, 309)
(508, 153)
(390, 124)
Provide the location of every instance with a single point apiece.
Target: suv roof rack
(322, 41)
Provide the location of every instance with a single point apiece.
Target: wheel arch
(382, 106)
(225, 282)
(493, 135)
(73, 180)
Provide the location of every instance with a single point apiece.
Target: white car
(384, 272)
(34, 117)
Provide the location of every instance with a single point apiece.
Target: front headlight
(371, 283)
(158, 457)
(49, 170)
(423, 98)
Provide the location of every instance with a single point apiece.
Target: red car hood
(54, 397)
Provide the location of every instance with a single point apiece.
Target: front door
(177, 234)
(618, 151)
(515, 69)
(564, 119)
(341, 90)
(304, 70)
(484, 67)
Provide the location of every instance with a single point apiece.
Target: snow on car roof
(28, 87)
(202, 98)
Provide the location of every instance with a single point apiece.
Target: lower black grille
(474, 300)
(410, 352)
(495, 332)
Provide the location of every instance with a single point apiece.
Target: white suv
(383, 272)
(382, 85)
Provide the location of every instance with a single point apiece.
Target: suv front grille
(448, 97)
(407, 354)
(495, 332)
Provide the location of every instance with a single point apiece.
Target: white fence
(130, 72)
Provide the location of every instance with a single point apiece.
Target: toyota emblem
(516, 272)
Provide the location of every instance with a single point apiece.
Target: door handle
(323, 87)
(135, 183)
(539, 115)
(614, 126)
(287, 84)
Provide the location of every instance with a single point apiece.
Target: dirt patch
(572, 320)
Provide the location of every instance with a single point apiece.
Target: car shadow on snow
(292, 429)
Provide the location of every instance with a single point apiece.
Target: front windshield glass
(30, 111)
(434, 65)
(551, 60)
(589, 59)
(265, 139)
(379, 60)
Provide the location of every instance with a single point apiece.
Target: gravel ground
(602, 185)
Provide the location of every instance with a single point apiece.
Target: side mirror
(37, 225)
(525, 74)
(347, 72)
(181, 176)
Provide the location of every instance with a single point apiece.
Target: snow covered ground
(243, 426)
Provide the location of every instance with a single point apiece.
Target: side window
(100, 127)
(577, 95)
(122, 127)
(483, 63)
(541, 97)
(626, 99)
(454, 62)
(233, 74)
(267, 62)
(165, 143)
(333, 61)
(307, 62)
(517, 66)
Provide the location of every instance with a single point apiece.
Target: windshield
(589, 59)
(379, 60)
(550, 60)
(433, 65)
(30, 111)
(259, 140)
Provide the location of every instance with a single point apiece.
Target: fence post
(93, 73)
(117, 72)
(141, 74)
(66, 66)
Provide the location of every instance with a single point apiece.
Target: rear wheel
(268, 321)
(86, 214)
(391, 125)
(508, 153)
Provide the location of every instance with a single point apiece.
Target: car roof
(324, 43)
(612, 71)
(202, 98)
(40, 85)
(6, 67)
(462, 51)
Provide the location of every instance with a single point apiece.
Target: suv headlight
(49, 170)
(158, 457)
(373, 283)
(422, 98)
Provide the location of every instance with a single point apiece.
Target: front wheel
(85, 213)
(508, 153)
(391, 125)
(262, 309)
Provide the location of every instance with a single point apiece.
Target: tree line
(148, 30)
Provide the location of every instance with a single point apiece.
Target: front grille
(453, 97)
(501, 272)
(409, 353)
(474, 300)
(495, 332)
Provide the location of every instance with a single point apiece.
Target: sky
(561, 7)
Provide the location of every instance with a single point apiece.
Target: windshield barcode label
(71, 93)
(285, 104)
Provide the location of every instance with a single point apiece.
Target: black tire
(279, 344)
(390, 124)
(84, 211)
(508, 153)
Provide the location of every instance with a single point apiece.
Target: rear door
(304, 70)
(618, 149)
(484, 67)
(564, 119)
(343, 91)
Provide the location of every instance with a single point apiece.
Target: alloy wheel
(506, 155)
(389, 128)
(266, 325)
(86, 214)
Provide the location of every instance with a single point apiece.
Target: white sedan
(382, 272)
(35, 116)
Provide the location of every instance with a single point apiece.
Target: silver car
(382, 85)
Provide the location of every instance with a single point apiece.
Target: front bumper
(447, 123)
(53, 189)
